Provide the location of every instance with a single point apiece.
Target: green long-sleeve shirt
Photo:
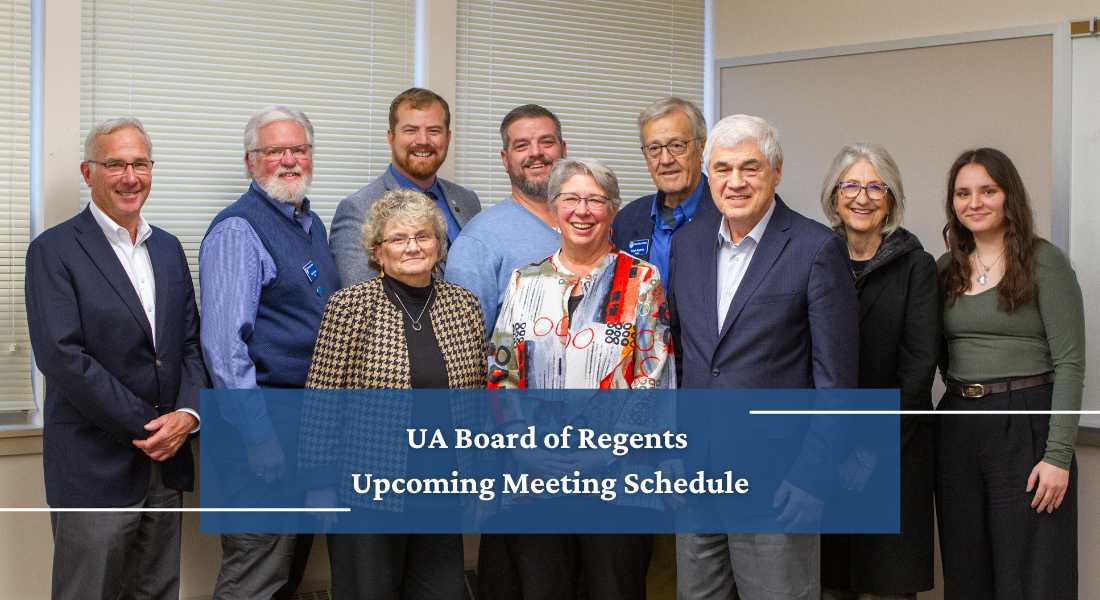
(986, 344)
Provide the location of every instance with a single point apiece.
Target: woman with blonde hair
(400, 330)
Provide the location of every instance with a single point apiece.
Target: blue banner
(552, 461)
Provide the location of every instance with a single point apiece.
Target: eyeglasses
(424, 239)
(141, 167)
(875, 191)
(276, 152)
(675, 148)
(572, 201)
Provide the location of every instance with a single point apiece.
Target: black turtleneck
(427, 370)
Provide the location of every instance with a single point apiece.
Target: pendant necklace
(415, 322)
(982, 277)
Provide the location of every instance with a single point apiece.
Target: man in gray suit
(419, 134)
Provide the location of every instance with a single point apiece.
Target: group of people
(713, 282)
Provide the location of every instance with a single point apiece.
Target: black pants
(565, 566)
(993, 544)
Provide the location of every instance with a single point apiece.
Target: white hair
(267, 116)
(735, 130)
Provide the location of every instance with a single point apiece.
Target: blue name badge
(638, 247)
(311, 271)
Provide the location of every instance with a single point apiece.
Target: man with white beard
(266, 274)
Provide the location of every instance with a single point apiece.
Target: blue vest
(291, 306)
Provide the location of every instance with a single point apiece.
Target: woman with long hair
(1014, 332)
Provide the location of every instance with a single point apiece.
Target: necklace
(982, 278)
(415, 322)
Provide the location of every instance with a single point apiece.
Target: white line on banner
(271, 510)
(924, 412)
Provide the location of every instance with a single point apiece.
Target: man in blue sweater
(520, 229)
(266, 275)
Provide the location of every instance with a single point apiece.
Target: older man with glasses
(266, 275)
(114, 329)
(673, 133)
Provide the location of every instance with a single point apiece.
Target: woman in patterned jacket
(403, 329)
(588, 317)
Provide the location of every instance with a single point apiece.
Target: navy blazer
(104, 379)
(635, 220)
(792, 324)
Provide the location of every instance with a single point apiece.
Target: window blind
(15, 109)
(194, 72)
(595, 64)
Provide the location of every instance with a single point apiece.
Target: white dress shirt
(138, 266)
(734, 259)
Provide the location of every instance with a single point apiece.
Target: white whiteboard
(1084, 247)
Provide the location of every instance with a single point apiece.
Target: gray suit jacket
(346, 237)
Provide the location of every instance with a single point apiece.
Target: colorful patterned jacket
(618, 338)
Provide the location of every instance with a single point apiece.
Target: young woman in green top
(1013, 323)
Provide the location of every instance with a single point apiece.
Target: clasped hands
(170, 431)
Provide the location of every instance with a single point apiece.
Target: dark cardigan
(899, 332)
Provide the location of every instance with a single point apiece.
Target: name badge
(311, 271)
(637, 247)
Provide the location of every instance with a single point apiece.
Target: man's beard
(287, 192)
(529, 187)
(419, 168)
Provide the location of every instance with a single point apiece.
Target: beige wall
(744, 28)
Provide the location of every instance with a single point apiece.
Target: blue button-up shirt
(662, 233)
(440, 200)
(233, 268)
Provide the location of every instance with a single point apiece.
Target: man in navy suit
(114, 328)
(760, 297)
(673, 133)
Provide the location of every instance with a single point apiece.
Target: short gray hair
(565, 168)
(735, 130)
(887, 170)
(403, 206)
(665, 107)
(110, 126)
(267, 116)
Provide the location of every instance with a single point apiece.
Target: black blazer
(635, 220)
(104, 379)
(792, 324)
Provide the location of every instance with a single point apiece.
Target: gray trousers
(261, 566)
(746, 566)
(120, 555)
(396, 566)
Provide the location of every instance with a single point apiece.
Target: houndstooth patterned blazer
(362, 345)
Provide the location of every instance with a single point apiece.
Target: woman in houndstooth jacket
(401, 330)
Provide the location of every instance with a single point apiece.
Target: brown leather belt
(977, 390)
